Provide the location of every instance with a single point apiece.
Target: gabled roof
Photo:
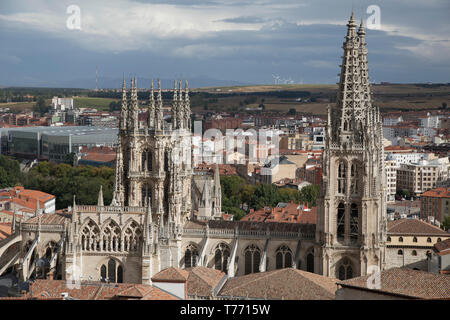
(414, 227)
(171, 275)
(202, 281)
(442, 248)
(407, 283)
(288, 284)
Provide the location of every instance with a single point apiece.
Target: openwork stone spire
(151, 107)
(353, 117)
(124, 108)
(159, 109)
(134, 108)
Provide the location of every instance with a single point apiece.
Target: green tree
(41, 107)
(446, 223)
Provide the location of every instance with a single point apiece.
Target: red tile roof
(171, 275)
(437, 193)
(288, 283)
(291, 213)
(408, 283)
(414, 227)
(202, 281)
(53, 289)
(5, 230)
(442, 248)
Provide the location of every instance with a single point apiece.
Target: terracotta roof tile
(414, 227)
(408, 282)
(171, 274)
(288, 283)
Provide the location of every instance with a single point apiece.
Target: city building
(435, 203)
(410, 242)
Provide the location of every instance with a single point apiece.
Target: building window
(341, 178)
(190, 256)
(310, 262)
(400, 252)
(283, 257)
(414, 253)
(388, 239)
(341, 222)
(221, 257)
(112, 272)
(415, 239)
(400, 239)
(252, 259)
(428, 239)
(439, 239)
(345, 270)
(354, 223)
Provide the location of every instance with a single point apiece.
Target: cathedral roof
(251, 225)
(203, 281)
(287, 283)
(407, 283)
(49, 218)
(53, 289)
(414, 227)
(171, 275)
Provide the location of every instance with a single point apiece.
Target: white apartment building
(422, 176)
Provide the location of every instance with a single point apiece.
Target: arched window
(111, 237)
(132, 237)
(119, 274)
(428, 239)
(90, 237)
(310, 262)
(283, 257)
(112, 270)
(400, 252)
(400, 239)
(111, 273)
(439, 239)
(166, 161)
(388, 239)
(341, 177)
(146, 194)
(354, 187)
(414, 253)
(190, 256)
(345, 270)
(252, 259)
(146, 161)
(341, 222)
(103, 273)
(415, 239)
(221, 256)
(354, 217)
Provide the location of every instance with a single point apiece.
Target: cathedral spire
(351, 110)
(124, 107)
(134, 105)
(100, 197)
(151, 107)
(187, 107)
(175, 106)
(159, 109)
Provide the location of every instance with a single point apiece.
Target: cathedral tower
(351, 224)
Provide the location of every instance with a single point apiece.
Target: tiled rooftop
(408, 282)
(288, 284)
(414, 227)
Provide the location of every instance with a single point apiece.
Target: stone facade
(351, 222)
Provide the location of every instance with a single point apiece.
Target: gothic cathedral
(351, 222)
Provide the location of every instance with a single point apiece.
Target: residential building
(435, 203)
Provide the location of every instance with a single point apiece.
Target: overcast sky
(248, 41)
